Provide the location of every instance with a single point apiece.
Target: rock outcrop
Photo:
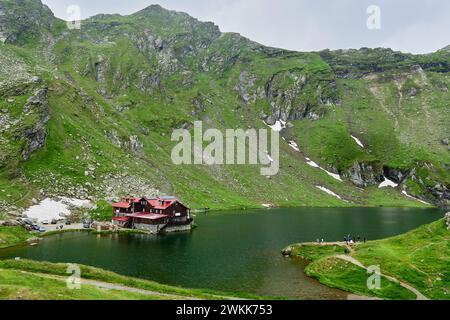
(25, 19)
(364, 174)
(396, 175)
(285, 92)
(35, 135)
(441, 194)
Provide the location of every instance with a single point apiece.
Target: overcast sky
(304, 25)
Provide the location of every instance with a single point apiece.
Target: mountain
(89, 113)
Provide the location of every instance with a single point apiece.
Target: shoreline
(346, 267)
(337, 252)
(216, 211)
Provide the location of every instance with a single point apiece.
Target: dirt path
(112, 286)
(356, 262)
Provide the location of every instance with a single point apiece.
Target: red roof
(149, 216)
(121, 218)
(121, 205)
(160, 203)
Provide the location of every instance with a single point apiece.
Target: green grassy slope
(336, 273)
(31, 280)
(10, 236)
(120, 85)
(344, 275)
(17, 285)
(419, 258)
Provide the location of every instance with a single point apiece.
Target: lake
(230, 251)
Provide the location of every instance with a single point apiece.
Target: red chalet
(154, 215)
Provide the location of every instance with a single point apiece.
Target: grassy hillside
(116, 89)
(419, 258)
(11, 236)
(31, 280)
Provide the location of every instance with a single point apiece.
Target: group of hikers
(351, 240)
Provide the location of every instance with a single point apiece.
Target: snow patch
(278, 126)
(358, 142)
(334, 175)
(315, 165)
(329, 192)
(294, 146)
(312, 163)
(49, 209)
(269, 157)
(411, 197)
(387, 183)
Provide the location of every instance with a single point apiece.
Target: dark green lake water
(230, 251)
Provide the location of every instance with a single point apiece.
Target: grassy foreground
(30, 280)
(33, 280)
(17, 285)
(419, 258)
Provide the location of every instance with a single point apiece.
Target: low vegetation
(39, 272)
(17, 285)
(419, 258)
(11, 236)
(102, 211)
(341, 274)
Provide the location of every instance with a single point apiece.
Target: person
(323, 241)
(359, 238)
(365, 239)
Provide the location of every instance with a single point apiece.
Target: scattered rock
(113, 137)
(135, 145)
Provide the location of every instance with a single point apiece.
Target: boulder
(11, 223)
(287, 251)
(33, 240)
